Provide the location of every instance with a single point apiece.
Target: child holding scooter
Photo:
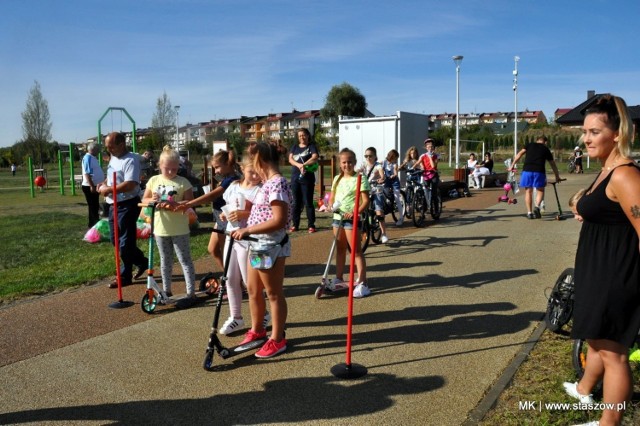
(171, 227)
(268, 222)
(224, 165)
(239, 198)
(343, 191)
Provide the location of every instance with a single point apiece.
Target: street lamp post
(177, 108)
(458, 60)
(515, 115)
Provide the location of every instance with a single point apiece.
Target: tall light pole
(458, 60)
(515, 115)
(177, 108)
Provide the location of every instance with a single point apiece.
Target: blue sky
(223, 59)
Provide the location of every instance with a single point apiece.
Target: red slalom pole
(349, 370)
(116, 236)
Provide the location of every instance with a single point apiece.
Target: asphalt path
(452, 305)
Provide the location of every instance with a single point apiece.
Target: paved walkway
(452, 305)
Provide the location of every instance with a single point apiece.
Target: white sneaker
(542, 210)
(231, 325)
(572, 390)
(593, 423)
(266, 320)
(384, 239)
(361, 290)
(337, 284)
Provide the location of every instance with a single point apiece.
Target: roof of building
(575, 116)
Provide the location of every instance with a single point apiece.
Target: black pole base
(352, 371)
(120, 304)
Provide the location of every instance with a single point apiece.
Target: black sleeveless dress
(607, 271)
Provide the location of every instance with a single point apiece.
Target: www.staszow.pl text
(566, 406)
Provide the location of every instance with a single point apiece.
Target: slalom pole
(116, 236)
(347, 370)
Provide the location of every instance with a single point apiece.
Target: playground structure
(74, 180)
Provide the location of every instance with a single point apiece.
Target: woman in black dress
(607, 267)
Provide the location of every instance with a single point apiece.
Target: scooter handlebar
(219, 231)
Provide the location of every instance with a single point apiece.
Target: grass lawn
(540, 379)
(43, 250)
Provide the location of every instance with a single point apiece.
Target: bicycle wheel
(560, 304)
(579, 361)
(408, 202)
(403, 203)
(579, 357)
(365, 231)
(375, 231)
(419, 208)
(436, 205)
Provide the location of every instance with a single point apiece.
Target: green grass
(43, 249)
(540, 379)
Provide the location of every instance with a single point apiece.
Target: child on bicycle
(343, 191)
(240, 196)
(372, 171)
(411, 157)
(428, 162)
(392, 181)
(171, 227)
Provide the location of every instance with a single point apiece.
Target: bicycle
(571, 164)
(560, 301)
(426, 199)
(389, 207)
(413, 180)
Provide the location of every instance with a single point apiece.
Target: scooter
(155, 295)
(560, 215)
(505, 198)
(214, 343)
(325, 284)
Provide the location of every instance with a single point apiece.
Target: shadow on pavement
(316, 398)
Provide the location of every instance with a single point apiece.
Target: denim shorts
(378, 200)
(346, 224)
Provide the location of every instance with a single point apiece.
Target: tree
(343, 99)
(163, 123)
(36, 124)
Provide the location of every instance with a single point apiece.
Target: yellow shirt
(166, 222)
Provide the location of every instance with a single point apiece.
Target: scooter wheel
(209, 283)
(558, 217)
(148, 304)
(208, 360)
(319, 291)
(514, 201)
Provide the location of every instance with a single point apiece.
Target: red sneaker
(251, 335)
(272, 348)
(293, 229)
(312, 230)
